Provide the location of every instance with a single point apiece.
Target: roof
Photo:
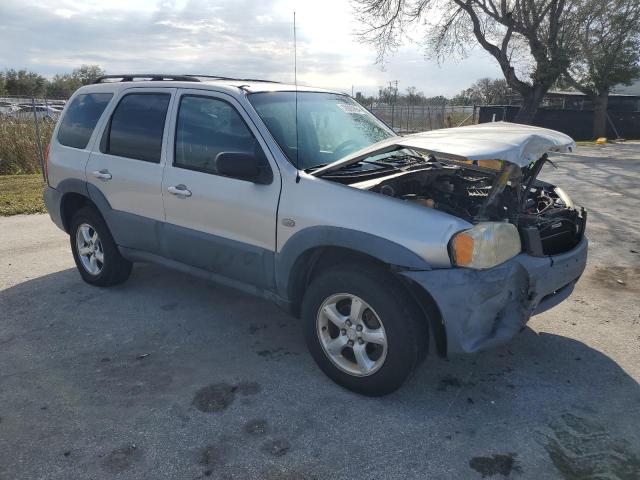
(511, 142)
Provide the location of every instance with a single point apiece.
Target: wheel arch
(76, 194)
(307, 254)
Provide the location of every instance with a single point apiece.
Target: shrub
(18, 148)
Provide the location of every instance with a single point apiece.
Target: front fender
(324, 236)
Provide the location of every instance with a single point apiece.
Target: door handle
(102, 174)
(180, 190)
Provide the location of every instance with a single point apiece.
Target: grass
(21, 194)
(18, 147)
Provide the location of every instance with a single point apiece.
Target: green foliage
(609, 46)
(25, 83)
(64, 85)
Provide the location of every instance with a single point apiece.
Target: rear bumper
(52, 200)
(485, 308)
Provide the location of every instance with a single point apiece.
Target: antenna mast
(295, 80)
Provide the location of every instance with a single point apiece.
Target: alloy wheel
(90, 250)
(351, 334)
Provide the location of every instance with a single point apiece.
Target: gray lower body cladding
(481, 309)
(53, 200)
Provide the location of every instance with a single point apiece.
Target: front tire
(363, 329)
(94, 250)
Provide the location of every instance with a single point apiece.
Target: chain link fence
(419, 118)
(26, 125)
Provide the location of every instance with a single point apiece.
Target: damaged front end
(477, 191)
(526, 247)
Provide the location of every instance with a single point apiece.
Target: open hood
(511, 142)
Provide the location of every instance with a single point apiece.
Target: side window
(80, 119)
(207, 127)
(137, 126)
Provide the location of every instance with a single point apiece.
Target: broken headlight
(485, 245)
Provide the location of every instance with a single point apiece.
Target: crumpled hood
(511, 142)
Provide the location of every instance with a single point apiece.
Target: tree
(2, 81)
(86, 74)
(532, 40)
(609, 52)
(485, 91)
(65, 85)
(23, 83)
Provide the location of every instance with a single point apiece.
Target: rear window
(137, 126)
(80, 119)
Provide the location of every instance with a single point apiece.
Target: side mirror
(243, 166)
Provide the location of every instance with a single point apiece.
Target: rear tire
(94, 250)
(363, 329)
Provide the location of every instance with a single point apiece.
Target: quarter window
(81, 118)
(137, 126)
(207, 127)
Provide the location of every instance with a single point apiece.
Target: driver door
(221, 224)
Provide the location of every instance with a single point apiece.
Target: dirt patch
(619, 279)
(277, 447)
(582, 449)
(122, 458)
(498, 464)
(218, 396)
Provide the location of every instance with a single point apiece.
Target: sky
(236, 38)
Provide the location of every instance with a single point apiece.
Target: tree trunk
(600, 103)
(530, 103)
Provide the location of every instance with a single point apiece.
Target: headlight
(485, 245)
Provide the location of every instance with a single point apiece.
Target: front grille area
(554, 234)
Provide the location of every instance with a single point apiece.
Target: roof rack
(166, 77)
(235, 79)
(148, 76)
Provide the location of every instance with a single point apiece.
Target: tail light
(46, 163)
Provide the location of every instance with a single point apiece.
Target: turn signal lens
(463, 249)
(485, 245)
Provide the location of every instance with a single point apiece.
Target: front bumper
(485, 308)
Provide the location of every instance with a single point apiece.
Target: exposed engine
(452, 190)
(548, 223)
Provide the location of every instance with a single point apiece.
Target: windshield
(330, 126)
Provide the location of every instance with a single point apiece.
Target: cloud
(243, 38)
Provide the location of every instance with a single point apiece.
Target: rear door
(126, 167)
(221, 224)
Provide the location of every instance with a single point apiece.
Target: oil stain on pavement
(218, 396)
(498, 464)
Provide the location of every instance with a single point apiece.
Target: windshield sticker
(349, 108)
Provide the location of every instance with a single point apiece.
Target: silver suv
(381, 244)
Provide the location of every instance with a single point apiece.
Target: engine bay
(546, 219)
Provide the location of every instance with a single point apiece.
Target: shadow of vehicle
(173, 365)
